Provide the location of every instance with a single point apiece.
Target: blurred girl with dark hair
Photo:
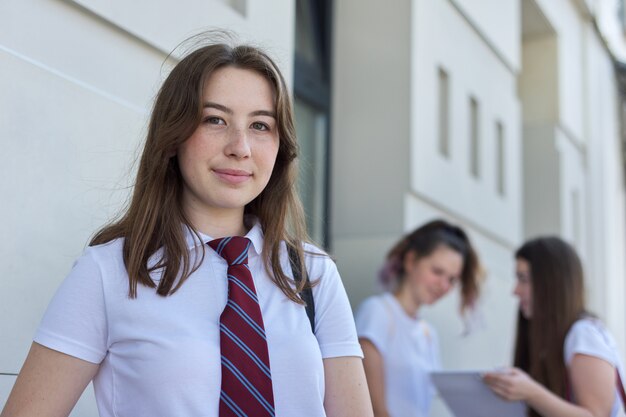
(400, 347)
(566, 362)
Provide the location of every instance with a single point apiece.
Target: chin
(432, 301)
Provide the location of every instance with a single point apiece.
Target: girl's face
(228, 160)
(431, 277)
(524, 287)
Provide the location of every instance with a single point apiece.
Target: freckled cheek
(188, 151)
(267, 159)
(204, 148)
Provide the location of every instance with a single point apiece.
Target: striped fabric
(246, 376)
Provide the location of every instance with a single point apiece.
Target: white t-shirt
(588, 336)
(410, 351)
(160, 356)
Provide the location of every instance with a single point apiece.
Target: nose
(238, 145)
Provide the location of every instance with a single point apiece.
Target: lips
(232, 176)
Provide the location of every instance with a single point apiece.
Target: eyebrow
(227, 110)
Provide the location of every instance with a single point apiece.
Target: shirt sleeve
(372, 321)
(75, 321)
(334, 323)
(589, 337)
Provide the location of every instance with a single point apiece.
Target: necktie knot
(233, 249)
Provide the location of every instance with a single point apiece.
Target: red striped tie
(246, 377)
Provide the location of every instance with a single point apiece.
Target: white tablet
(466, 395)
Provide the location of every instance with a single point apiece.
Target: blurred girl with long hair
(400, 347)
(566, 362)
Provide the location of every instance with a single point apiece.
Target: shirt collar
(255, 234)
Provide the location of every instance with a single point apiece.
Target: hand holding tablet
(467, 394)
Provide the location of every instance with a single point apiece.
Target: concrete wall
(607, 15)
(573, 172)
(546, 76)
(77, 81)
(474, 71)
(498, 23)
(567, 21)
(371, 137)
(606, 231)
(538, 80)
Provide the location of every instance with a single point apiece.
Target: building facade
(502, 116)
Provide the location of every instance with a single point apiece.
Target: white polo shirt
(160, 356)
(410, 351)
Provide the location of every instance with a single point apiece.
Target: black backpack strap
(307, 293)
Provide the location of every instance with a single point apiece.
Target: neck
(217, 223)
(407, 300)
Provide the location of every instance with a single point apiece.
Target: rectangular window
(444, 137)
(500, 159)
(474, 138)
(311, 128)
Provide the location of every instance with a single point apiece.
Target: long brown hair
(154, 220)
(423, 241)
(558, 301)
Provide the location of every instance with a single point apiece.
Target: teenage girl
(400, 347)
(566, 362)
(139, 314)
